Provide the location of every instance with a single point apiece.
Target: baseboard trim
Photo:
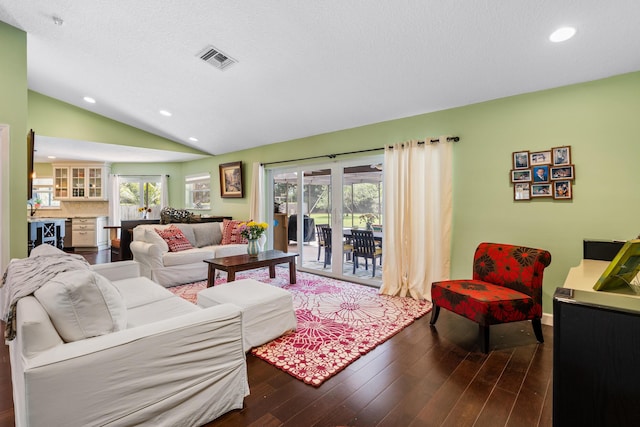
(547, 319)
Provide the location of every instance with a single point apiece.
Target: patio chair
(321, 244)
(326, 237)
(364, 246)
(506, 287)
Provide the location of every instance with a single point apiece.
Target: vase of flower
(368, 220)
(252, 247)
(252, 231)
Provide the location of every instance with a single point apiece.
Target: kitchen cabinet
(90, 233)
(78, 182)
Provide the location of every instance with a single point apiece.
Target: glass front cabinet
(81, 181)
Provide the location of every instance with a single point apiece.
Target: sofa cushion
(195, 255)
(207, 233)
(188, 231)
(137, 291)
(82, 304)
(176, 240)
(231, 232)
(230, 250)
(159, 310)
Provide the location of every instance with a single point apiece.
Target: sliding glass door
(312, 219)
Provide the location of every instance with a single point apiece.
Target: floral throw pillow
(231, 233)
(175, 239)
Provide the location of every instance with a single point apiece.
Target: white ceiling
(309, 67)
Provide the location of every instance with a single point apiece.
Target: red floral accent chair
(506, 287)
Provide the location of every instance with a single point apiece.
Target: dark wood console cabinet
(596, 359)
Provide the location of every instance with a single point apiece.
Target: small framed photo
(541, 173)
(231, 180)
(562, 189)
(523, 175)
(561, 155)
(562, 172)
(521, 160)
(541, 190)
(522, 191)
(540, 158)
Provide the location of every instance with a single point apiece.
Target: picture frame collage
(539, 174)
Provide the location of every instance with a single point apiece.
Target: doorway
(305, 201)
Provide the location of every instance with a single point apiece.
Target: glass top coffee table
(235, 263)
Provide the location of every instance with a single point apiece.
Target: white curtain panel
(164, 186)
(417, 217)
(256, 203)
(114, 199)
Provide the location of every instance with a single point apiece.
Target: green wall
(13, 112)
(597, 119)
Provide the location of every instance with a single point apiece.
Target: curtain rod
(333, 156)
(137, 174)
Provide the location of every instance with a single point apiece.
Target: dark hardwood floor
(423, 376)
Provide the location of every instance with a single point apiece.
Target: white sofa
(173, 363)
(175, 268)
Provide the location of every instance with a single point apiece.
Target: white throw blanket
(24, 276)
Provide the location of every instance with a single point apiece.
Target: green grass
(348, 220)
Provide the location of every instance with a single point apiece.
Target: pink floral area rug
(337, 322)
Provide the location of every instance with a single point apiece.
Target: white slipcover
(180, 366)
(175, 268)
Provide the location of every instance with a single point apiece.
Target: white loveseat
(172, 363)
(175, 268)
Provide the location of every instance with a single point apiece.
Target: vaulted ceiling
(309, 67)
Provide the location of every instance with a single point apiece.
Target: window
(140, 197)
(43, 193)
(198, 191)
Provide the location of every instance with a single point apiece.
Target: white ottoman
(267, 311)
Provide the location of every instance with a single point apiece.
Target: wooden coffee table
(233, 264)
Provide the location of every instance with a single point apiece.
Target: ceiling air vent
(216, 57)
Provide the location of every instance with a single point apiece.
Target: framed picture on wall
(562, 189)
(541, 173)
(561, 172)
(522, 191)
(231, 180)
(541, 190)
(561, 155)
(540, 158)
(521, 175)
(521, 160)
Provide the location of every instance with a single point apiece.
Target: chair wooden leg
(537, 329)
(484, 338)
(327, 257)
(319, 247)
(435, 311)
(373, 263)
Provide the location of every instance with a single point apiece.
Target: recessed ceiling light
(165, 113)
(562, 34)
(193, 139)
(89, 99)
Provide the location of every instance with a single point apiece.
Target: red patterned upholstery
(506, 287)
